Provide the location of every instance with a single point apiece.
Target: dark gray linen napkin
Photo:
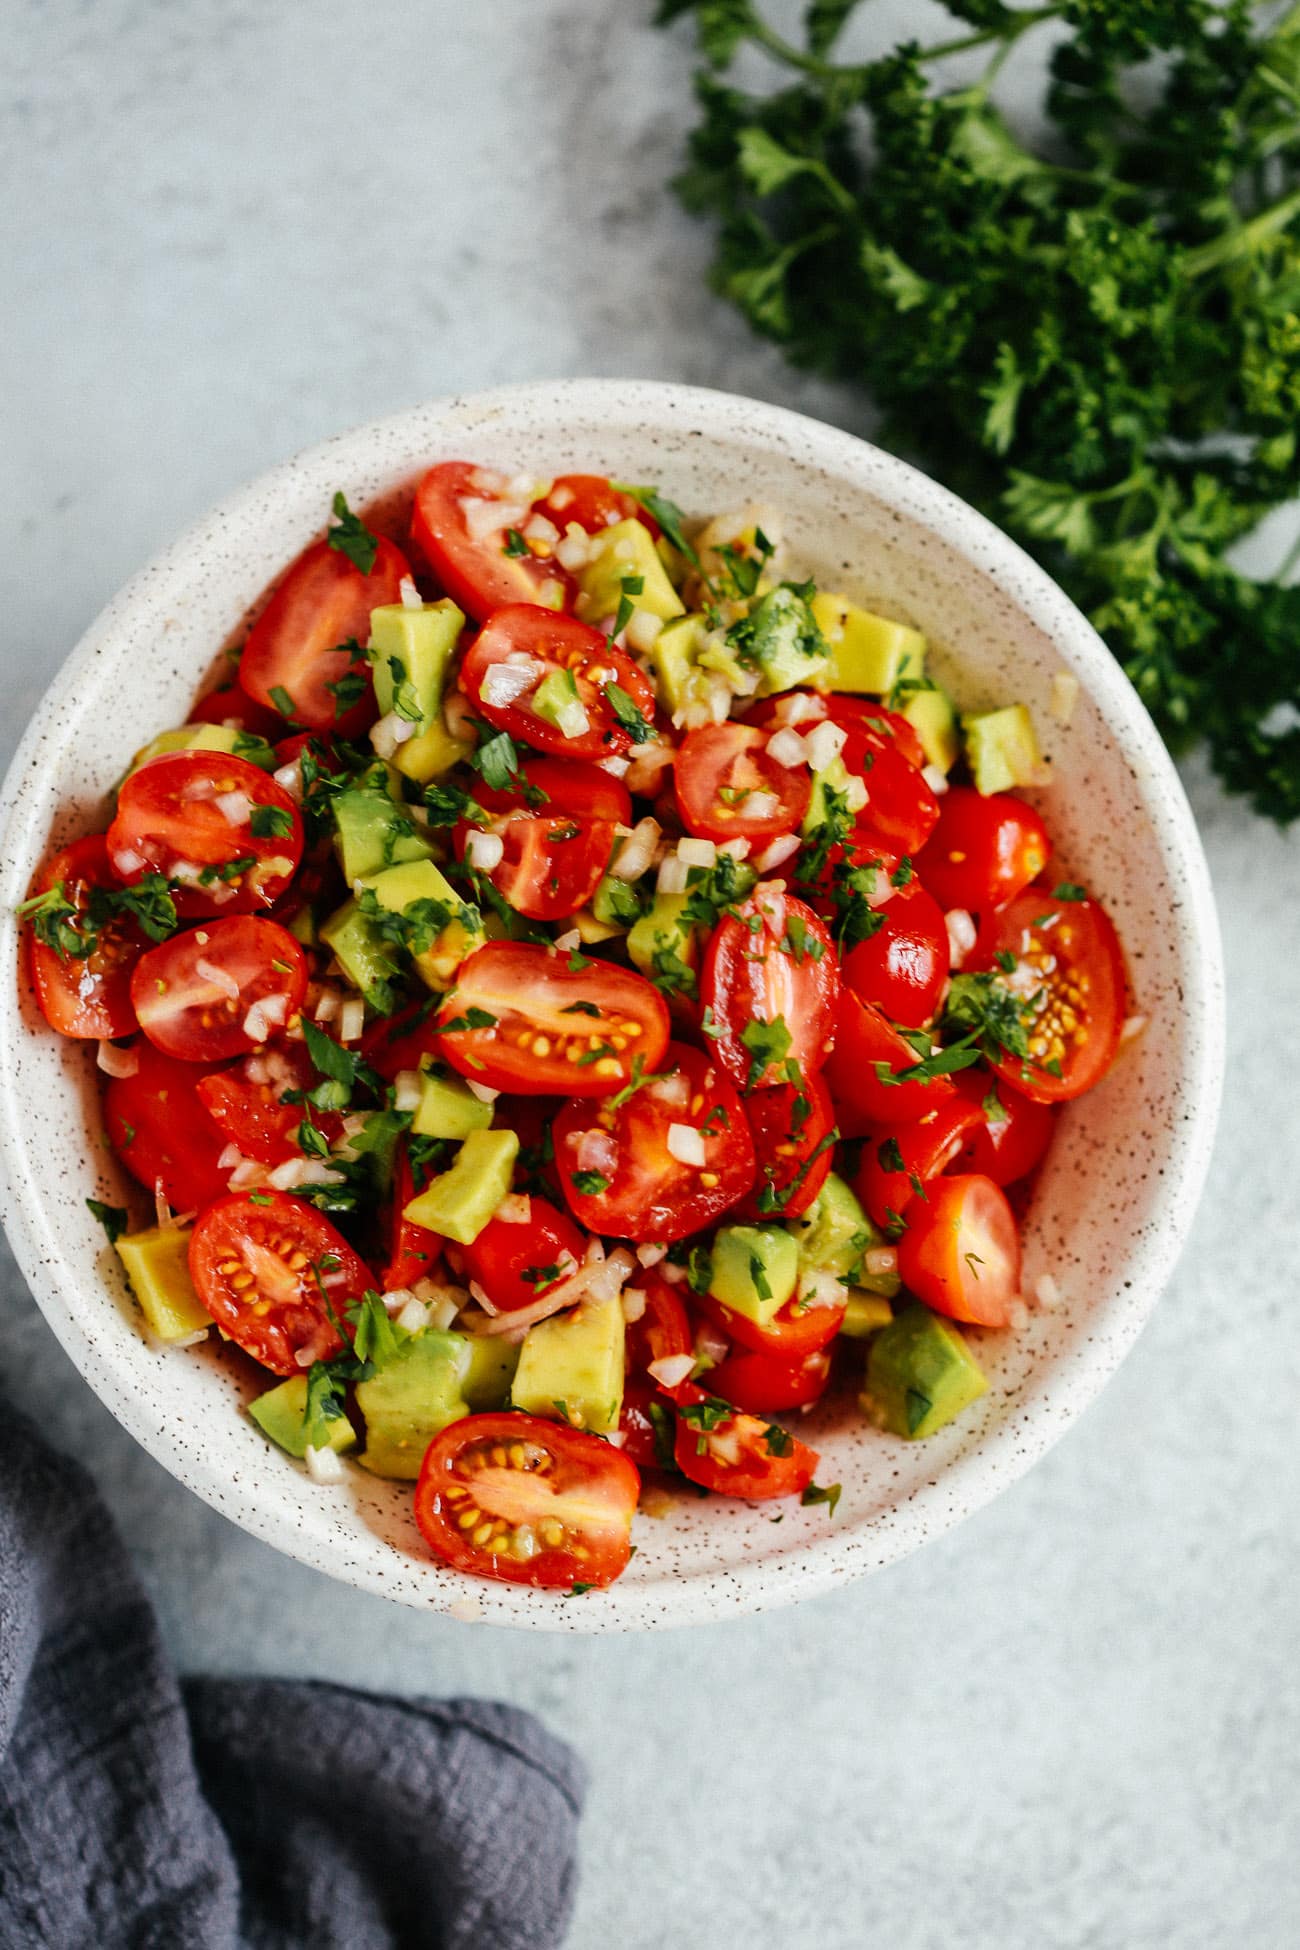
(271, 1814)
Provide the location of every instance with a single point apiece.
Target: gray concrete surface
(230, 228)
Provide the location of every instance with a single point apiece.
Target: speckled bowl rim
(966, 1484)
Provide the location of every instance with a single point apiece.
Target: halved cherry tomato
(903, 966)
(793, 1131)
(771, 979)
(160, 1130)
(272, 1270)
(737, 1454)
(663, 1330)
(961, 1250)
(728, 788)
(549, 645)
(818, 881)
(763, 1385)
(985, 848)
(400, 1042)
(557, 1504)
(517, 1264)
(637, 1188)
(864, 1040)
(793, 1334)
(1006, 1147)
(299, 645)
(460, 524)
(222, 829)
(901, 811)
(247, 1100)
(86, 995)
(1069, 961)
(846, 710)
(896, 1161)
(413, 1251)
(532, 1119)
(520, 1018)
(593, 502)
(229, 705)
(558, 833)
(218, 990)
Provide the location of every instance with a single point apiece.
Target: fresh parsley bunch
(1095, 338)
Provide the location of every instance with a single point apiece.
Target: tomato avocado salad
(570, 987)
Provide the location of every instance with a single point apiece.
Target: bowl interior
(1113, 1201)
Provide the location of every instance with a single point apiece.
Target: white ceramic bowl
(1119, 1189)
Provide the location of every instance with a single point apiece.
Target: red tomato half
(299, 643)
(984, 850)
(551, 645)
(247, 1100)
(229, 705)
(619, 1174)
(399, 1042)
(772, 980)
(521, 1019)
(961, 1251)
(517, 1264)
(557, 833)
(737, 1454)
(903, 966)
(160, 1130)
(1006, 1147)
(218, 990)
(728, 788)
(863, 1040)
(925, 1148)
(271, 1270)
(593, 502)
(763, 1385)
(555, 1504)
(664, 1330)
(889, 725)
(793, 1132)
(901, 810)
(86, 995)
(413, 1251)
(546, 786)
(1071, 952)
(796, 1332)
(459, 524)
(222, 829)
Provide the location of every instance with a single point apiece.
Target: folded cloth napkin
(141, 1813)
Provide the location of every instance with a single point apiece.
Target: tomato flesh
(662, 1331)
(231, 706)
(543, 644)
(903, 966)
(771, 979)
(1013, 1141)
(190, 817)
(161, 1131)
(896, 1161)
(1069, 964)
(617, 1168)
(271, 1270)
(516, 1263)
(729, 788)
(960, 1253)
(247, 1101)
(738, 1454)
(86, 995)
(863, 1039)
(984, 849)
(521, 1019)
(793, 1129)
(413, 1251)
(789, 1337)
(513, 1497)
(761, 1384)
(470, 558)
(219, 990)
(593, 502)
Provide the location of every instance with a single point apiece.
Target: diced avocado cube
(571, 1367)
(675, 656)
(417, 1391)
(404, 890)
(448, 1108)
(302, 926)
(934, 721)
(754, 1270)
(835, 1232)
(281, 1413)
(662, 932)
(865, 1313)
(1003, 750)
(617, 903)
(206, 738)
(834, 778)
(491, 1361)
(625, 551)
(784, 643)
(370, 963)
(556, 698)
(431, 753)
(410, 650)
(372, 829)
(459, 1202)
(869, 653)
(157, 1264)
(592, 931)
(920, 1375)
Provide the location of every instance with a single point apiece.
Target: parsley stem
(1234, 244)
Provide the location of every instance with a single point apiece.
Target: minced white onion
(820, 1289)
(289, 778)
(302, 1171)
(327, 1006)
(880, 1259)
(616, 767)
(486, 517)
(1132, 1026)
(352, 1019)
(646, 766)
(390, 732)
(643, 628)
(220, 978)
(607, 1280)
(673, 875)
(410, 595)
(515, 1209)
(414, 1316)
(568, 943)
(777, 853)
(1047, 1293)
(711, 1344)
(234, 807)
(672, 1370)
(230, 1157)
(936, 778)
(596, 1150)
(458, 716)
(651, 1255)
(685, 1144)
(127, 861)
(116, 1062)
(247, 1176)
(323, 1465)
(395, 1298)
(697, 853)
(738, 849)
(824, 743)
(634, 1302)
(574, 552)
(1064, 697)
(787, 748)
(504, 683)
(798, 707)
(485, 851)
(961, 935)
(538, 529)
(636, 854)
(483, 1091)
(759, 805)
(264, 1016)
(856, 794)
(408, 1088)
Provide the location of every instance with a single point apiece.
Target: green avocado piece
(555, 697)
(157, 1263)
(754, 1270)
(662, 932)
(459, 1202)
(417, 1391)
(431, 753)
(934, 721)
(865, 1313)
(206, 738)
(869, 653)
(281, 1413)
(410, 650)
(616, 903)
(448, 1108)
(372, 829)
(920, 1375)
(835, 1232)
(491, 1364)
(784, 644)
(370, 963)
(404, 890)
(675, 656)
(571, 1367)
(624, 552)
(1003, 749)
(834, 778)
